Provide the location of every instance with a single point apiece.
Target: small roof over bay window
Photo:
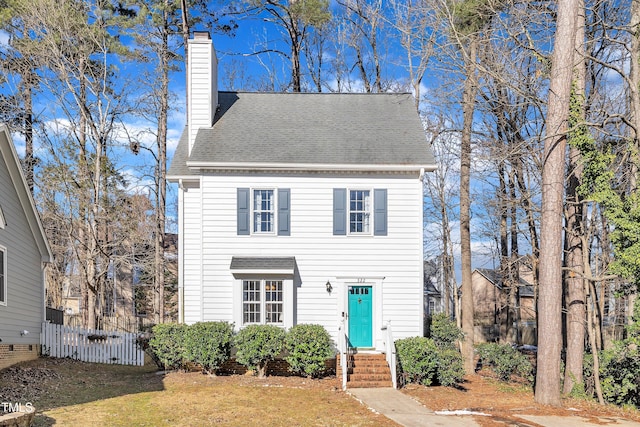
(280, 266)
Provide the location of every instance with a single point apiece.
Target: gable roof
(495, 278)
(8, 153)
(309, 131)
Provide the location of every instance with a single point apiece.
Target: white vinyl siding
(393, 262)
(191, 252)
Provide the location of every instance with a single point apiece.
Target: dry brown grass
(84, 394)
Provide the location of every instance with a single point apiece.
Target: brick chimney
(202, 84)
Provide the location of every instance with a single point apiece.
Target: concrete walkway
(407, 412)
(404, 410)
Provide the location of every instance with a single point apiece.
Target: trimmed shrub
(208, 344)
(256, 345)
(450, 367)
(417, 360)
(167, 344)
(308, 347)
(444, 331)
(505, 361)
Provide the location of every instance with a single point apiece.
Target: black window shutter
(339, 211)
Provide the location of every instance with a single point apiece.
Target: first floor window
(262, 301)
(3, 276)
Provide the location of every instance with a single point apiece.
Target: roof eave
(182, 178)
(302, 167)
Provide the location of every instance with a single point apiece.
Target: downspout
(180, 251)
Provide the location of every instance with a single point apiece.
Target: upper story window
(263, 211)
(3, 276)
(359, 211)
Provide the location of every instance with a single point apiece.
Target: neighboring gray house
(301, 208)
(24, 254)
(433, 295)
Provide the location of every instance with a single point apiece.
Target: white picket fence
(91, 345)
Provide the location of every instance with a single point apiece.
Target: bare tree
(295, 19)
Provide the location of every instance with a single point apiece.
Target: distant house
(491, 296)
(300, 208)
(434, 299)
(24, 254)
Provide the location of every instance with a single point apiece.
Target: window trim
(3, 276)
(368, 212)
(273, 211)
(263, 302)
(288, 297)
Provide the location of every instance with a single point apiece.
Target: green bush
(620, 372)
(208, 344)
(450, 367)
(505, 361)
(256, 345)
(619, 368)
(417, 360)
(308, 347)
(167, 344)
(444, 331)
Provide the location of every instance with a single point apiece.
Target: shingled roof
(333, 131)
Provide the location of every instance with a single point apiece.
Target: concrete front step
(369, 384)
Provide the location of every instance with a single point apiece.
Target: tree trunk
(634, 77)
(591, 322)
(185, 38)
(27, 94)
(547, 390)
(161, 170)
(574, 278)
(468, 106)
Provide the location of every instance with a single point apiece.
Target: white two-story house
(300, 208)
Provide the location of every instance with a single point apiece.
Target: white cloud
(4, 38)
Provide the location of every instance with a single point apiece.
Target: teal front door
(360, 316)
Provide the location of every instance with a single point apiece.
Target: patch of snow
(462, 412)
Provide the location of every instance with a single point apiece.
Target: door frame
(376, 283)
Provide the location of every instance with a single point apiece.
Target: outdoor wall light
(329, 287)
(23, 333)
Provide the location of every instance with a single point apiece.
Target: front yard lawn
(66, 392)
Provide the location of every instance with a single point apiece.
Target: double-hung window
(262, 302)
(263, 211)
(359, 211)
(3, 276)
